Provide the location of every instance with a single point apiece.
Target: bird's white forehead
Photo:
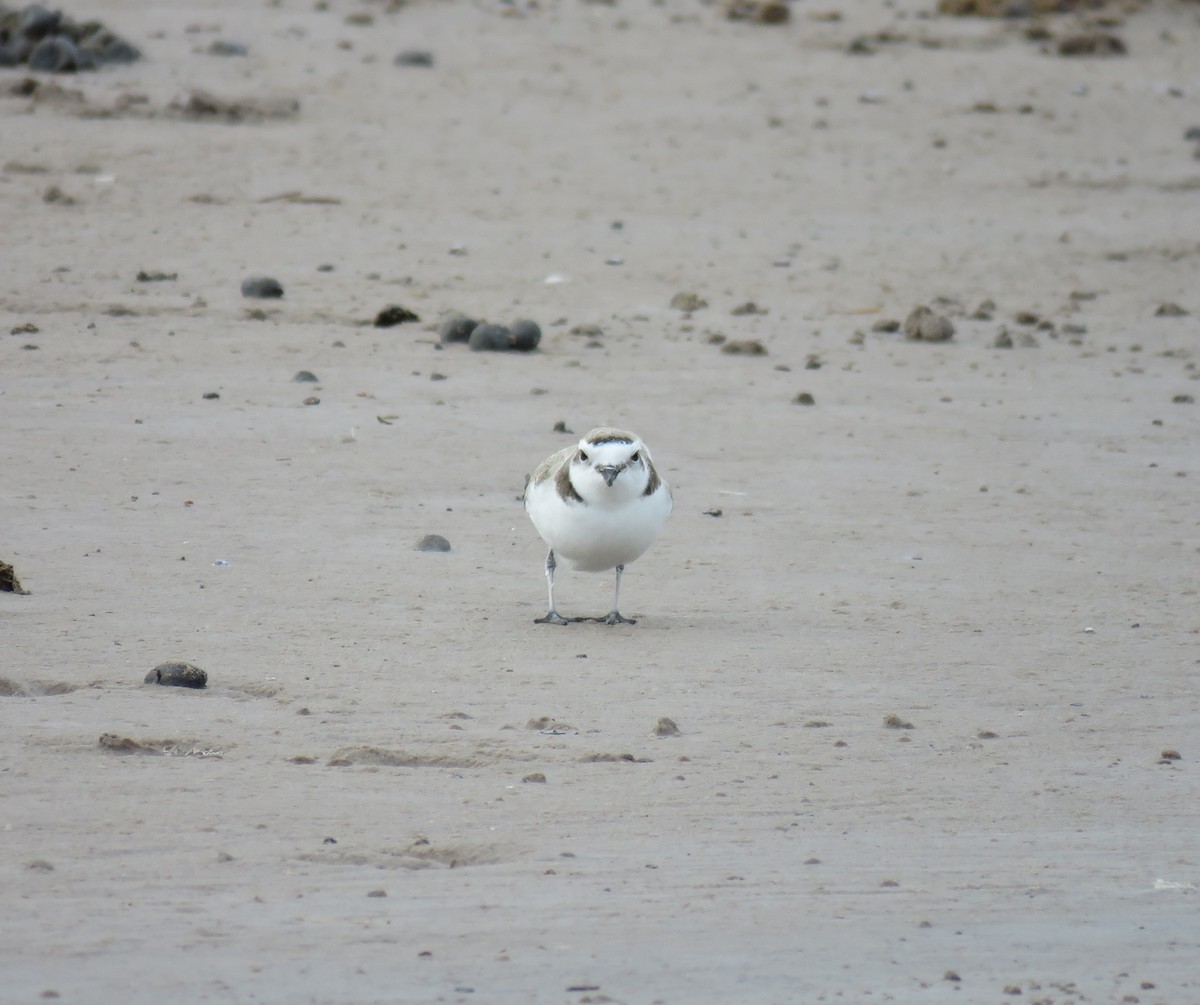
(610, 451)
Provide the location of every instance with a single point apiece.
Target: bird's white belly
(597, 538)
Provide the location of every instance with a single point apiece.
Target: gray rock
(490, 338)
(433, 542)
(176, 673)
(114, 49)
(54, 54)
(262, 288)
(688, 301)
(525, 335)
(457, 328)
(36, 22)
(225, 47)
(924, 325)
(394, 314)
(414, 57)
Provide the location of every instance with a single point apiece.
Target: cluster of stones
(521, 336)
(50, 41)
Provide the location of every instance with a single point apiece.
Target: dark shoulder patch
(653, 482)
(566, 489)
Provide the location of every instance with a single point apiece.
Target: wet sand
(926, 640)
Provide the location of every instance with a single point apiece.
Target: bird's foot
(614, 618)
(553, 618)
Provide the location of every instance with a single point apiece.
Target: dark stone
(54, 54)
(393, 315)
(305, 377)
(1092, 43)
(223, 47)
(262, 287)
(414, 57)
(116, 50)
(457, 328)
(490, 338)
(176, 673)
(525, 335)
(433, 542)
(8, 580)
(925, 325)
(36, 22)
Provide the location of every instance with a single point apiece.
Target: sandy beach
(910, 710)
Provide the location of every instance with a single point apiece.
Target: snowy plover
(598, 505)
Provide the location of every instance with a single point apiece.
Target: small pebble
(666, 727)
(262, 288)
(433, 542)
(490, 338)
(535, 777)
(312, 400)
(457, 328)
(924, 325)
(804, 398)
(1170, 310)
(35, 22)
(524, 336)
(1092, 43)
(56, 54)
(8, 580)
(111, 49)
(304, 377)
(393, 315)
(887, 325)
(414, 57)
(177, 673)
(687, 301)
(224, 47)
(744, 347)
(54, 194)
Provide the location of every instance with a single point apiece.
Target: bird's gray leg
(553, 617)
(614, 616)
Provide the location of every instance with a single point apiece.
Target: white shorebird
(598, 505)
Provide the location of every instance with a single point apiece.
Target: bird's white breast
(594, 537)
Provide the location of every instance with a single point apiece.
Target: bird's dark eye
(637, 456)
(583, 456)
